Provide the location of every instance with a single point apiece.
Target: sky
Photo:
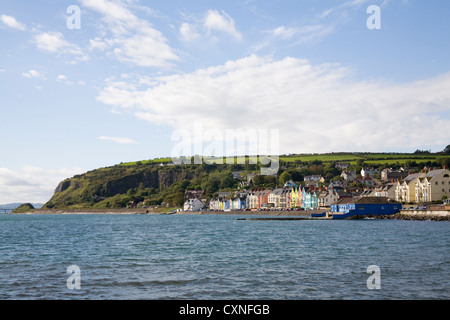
(92, 83)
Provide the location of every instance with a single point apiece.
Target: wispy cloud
(346, 5)
(209, 26)
(294, 36)
(12, 23)
(322, 25)
(118, 140)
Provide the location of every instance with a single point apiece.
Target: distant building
(348, 176)
(367, 180)
(238, 175)
(313, 178)
(290, 184)
(194, 194)
(391, 175)
(342, 165)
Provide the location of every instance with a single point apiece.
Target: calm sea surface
(219, 257)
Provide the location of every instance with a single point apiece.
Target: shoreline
(149, 211)
(417, 215)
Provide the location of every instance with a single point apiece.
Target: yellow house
(433, 186)
(405, 190)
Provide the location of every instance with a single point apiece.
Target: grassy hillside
(158, 183)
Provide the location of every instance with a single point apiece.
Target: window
(436, 183)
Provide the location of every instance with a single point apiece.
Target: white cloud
(118, 140)
(62, 78)
(33, 74)
(31, 184)
(54, 42)
(189, 32)
(214, 21)
(209, 25)
(316, 108)
(11, 22)
(129, 38)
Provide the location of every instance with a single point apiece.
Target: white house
(193, 205)
(327, 198)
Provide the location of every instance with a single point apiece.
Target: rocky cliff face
(157, 180)
(66, 184)
(108, 182)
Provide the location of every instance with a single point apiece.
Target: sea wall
(434, 215)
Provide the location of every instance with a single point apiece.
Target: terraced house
(405, 190)
(309, 200)
(433, 186)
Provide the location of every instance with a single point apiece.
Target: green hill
(158, 182)
(26, 207)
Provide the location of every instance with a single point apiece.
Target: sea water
(218, 257)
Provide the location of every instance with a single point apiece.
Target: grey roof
(434, 173)
(412, 176)
(277, 191)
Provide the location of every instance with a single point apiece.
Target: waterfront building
(263, 198)
(275, 198)
(433, 186)
(364, 206)
(405, 190)
(287, 198)
(296, 198)
(326, 198)
(387, 190)
(194, 205)
(309, 199)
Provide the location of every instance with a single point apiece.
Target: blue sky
(117, 88)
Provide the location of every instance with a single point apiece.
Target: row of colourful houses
(278, 199)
